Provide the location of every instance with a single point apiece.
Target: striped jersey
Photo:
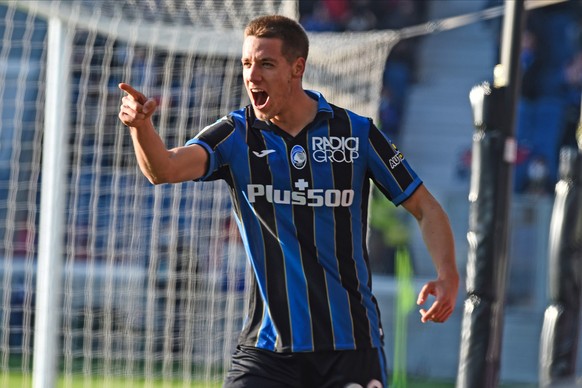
(301, 205)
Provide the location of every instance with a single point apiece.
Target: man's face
(267, 75)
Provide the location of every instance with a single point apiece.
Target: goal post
(52, 205)
(126, 281)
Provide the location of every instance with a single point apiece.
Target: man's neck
(302, 113)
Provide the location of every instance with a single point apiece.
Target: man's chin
(263, 116)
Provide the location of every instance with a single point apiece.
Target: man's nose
(254, 73)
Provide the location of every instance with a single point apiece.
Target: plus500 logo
(309, 197)
(335, 149)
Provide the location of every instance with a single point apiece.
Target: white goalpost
(104, 277)
(49, 266)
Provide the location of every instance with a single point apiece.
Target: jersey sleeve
(213, 139)
(389, 169)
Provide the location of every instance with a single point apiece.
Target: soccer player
(300, 171)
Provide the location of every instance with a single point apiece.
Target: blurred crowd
(548, 111)
(364, 15)
(551, 86)
(551, 83)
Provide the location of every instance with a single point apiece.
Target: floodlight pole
(494, 154)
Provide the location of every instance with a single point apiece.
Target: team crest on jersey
(298, 157)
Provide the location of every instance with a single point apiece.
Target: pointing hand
(135, 108)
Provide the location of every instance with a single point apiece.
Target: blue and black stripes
(301, 204)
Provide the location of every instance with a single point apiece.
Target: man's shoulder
(231, 120)
(348, 115)
(222, 129)
(325, 105)
(241, 113)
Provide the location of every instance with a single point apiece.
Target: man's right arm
(156, 162)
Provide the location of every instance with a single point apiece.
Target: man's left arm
(438, 237)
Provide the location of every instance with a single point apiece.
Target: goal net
(153, 284)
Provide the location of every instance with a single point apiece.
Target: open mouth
(260, 98)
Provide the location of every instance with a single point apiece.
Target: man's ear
(299, 67)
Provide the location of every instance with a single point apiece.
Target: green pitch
(19, 381)
(15, 380)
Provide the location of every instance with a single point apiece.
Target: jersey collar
(324, 111)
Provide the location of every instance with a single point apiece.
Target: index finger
(424, 293)
(138, 96)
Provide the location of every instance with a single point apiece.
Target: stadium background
(425, 108)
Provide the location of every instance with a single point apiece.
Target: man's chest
(313, 171)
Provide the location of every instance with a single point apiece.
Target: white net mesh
(153, 284)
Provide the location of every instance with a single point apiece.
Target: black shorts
(258, 368)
